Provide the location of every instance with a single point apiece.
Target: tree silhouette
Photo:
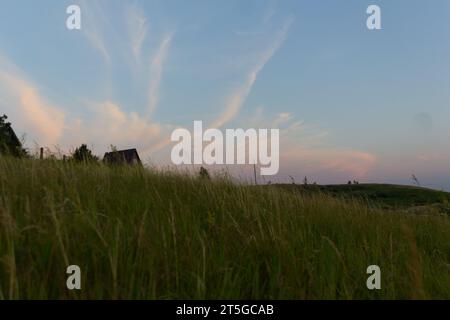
(204, 174)
(83, 154)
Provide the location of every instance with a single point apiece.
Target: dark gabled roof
(128, 156)
(9, 132)
(9, 143)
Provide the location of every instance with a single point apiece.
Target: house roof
(128, 155)
(9, 142)
(9, 132)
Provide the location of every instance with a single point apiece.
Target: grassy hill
(384, 195)
(140, 234)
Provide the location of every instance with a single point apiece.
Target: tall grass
(139, 234)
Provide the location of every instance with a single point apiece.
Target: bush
(83, 154)
(204, 174)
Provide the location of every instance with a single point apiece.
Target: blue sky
(350, 103)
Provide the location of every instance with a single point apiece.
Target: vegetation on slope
(383, 195)
(139, 234)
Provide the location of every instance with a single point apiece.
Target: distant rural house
(9, 135)
(128, 157)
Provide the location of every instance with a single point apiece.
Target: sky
(350, 103)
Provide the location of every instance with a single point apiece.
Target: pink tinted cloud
(31, 113)
(331, 162)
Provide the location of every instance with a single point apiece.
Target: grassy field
(138, 234)
(382, 195)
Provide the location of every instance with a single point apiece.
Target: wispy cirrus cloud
(156, 71)
(137, 28)
(270, 11)
(238, 98)
(281, 118)
(137, 24)
(93, 20)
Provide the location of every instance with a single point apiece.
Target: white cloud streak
(91, 14)
(138, 29)
(238, 98)
(156, 70)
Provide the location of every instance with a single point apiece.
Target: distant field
(139, 234)
(384, 195)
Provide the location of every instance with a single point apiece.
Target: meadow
(143, 234)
